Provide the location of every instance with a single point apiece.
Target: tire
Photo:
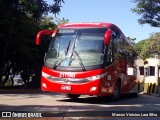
(117, 92)
(72, 96)
(134, 94)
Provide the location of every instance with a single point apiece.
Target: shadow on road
(20, 91)
(99, 100)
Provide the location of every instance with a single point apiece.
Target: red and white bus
(88, 59)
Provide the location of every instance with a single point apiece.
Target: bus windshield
(76, 48)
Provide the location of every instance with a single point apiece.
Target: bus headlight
(92, 78)
(96, 77)
(45, 75)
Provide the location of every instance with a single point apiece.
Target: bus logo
(66, 80)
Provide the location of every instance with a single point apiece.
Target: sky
(117, 12)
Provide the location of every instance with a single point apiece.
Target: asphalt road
(59, 107)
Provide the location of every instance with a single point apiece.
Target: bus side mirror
(42, 32)
(107, 37)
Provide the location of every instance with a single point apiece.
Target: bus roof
(88, 24)
(92, 25)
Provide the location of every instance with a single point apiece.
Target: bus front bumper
(88, 88)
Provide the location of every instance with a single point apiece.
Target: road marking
(135, 105)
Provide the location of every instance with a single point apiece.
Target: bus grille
(68, 80)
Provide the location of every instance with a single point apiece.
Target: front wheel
(72, 96)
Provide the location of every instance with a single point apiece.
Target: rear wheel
(72, 96)
(135, 94)
(117, 91)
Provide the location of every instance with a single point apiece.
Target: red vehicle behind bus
(88, 59)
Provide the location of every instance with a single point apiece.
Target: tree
(18, 27)
(50, 23)
(149, 10)
(59, 21)
(149, 47)
(132, 40)
(33, 8)
(140, 48)
(46, 23)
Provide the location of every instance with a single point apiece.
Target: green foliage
(149, 10)
(149, 47)
(141, 48)
(20, 22)
(132, 40)
(33, 8)
(50, 23)
(46, 23)
(59, 21)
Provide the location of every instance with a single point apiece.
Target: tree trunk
(4, 56)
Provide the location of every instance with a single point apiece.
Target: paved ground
(86, 107)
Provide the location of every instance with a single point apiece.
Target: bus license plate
(65, 87)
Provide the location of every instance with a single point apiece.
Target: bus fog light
(93, 89)
(44, 85)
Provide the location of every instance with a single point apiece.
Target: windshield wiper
(58, 62)
(66, 50)
(79, 59)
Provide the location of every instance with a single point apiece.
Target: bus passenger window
(110, 54)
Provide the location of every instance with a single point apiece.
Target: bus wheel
(134, 94)
(117, 91)
(72, 96)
